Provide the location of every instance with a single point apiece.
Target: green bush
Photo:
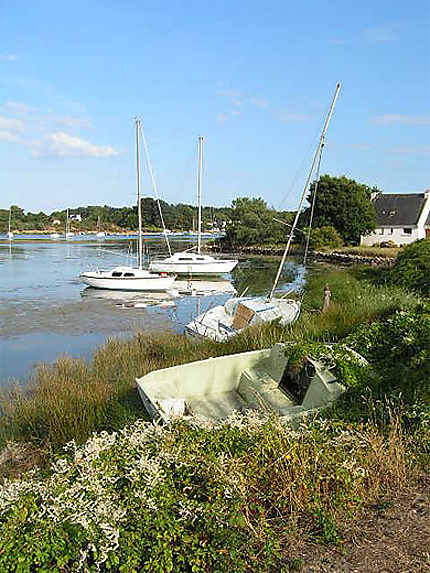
(412, 267)
(325, 237)
(195, 497)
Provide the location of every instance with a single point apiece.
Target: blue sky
(255, 78)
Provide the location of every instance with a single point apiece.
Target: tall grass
(71, 398)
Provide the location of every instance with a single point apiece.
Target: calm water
(46, 311)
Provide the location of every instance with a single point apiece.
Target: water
(45, 310)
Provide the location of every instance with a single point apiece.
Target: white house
(401, 218)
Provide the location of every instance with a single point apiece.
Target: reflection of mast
(299, 209)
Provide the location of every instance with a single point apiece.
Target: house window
(380, 231)
(391, 231)
(407, 231)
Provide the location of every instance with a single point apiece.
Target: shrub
(195, 497)
(325, 237)
(412, 267)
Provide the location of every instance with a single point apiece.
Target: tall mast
(199, 194)
(67, 222)
(139, 206)
(10, 214)
(302, 200)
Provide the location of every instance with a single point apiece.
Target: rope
(308, 238)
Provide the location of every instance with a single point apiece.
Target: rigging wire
(317, 179)
(154, 187)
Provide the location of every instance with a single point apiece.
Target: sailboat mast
(199, 195)
(139, 206)
(10, 214)
(302, 200)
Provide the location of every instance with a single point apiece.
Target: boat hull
(128, 284)
(194, 268)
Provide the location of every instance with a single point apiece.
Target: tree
(412, 267)
(252, 223)
(345, 205)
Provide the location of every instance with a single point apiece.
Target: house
(401, 217)
(76, 217)
(56, 222)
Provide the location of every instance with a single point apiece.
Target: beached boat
(259, 380)
(129, 278)
(223, 321)
(187, 262)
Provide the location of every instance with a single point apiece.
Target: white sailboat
(187, 262)
(223, 321)
(100, 234)
(68, 233)
(9, 232)
(129, 278)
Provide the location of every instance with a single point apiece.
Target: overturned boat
(259, 380)
(224, 321)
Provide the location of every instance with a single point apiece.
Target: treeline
(93, 217)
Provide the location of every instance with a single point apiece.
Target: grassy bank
(71, 398)
(244, 495)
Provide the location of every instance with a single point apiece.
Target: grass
(71, 398)
(389, 252)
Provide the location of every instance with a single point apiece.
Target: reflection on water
(46, 311)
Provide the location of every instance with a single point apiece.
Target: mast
(10, 214)
(67, 222)
(299, 209)
(199, 195)
(139, 206)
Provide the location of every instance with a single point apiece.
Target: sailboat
(9, 232)
(129, 278)
(68, 233)
(187, 262)
(100, 234)
(223, 321)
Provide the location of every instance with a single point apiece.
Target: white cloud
(259, 102)
(390, 118)
(61, 144)
(285, 116)
(9, 57)
(414, 150)
(73, 122)
(11, 124)
(234, 96)
(222, 117)
(6, 135)
(18, 107)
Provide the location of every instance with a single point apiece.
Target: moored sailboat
(9, 232)
(129, 278)
(194, 263)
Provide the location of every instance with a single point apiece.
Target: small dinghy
(258, 380)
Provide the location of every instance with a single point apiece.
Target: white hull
(10, 235)
(196, 264)
(140, 281)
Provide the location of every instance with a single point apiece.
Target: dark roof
(427, 223)
(398, 209)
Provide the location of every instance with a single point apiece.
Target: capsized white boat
(187, 263)
(259, 380)
(128, 278)
(224, 321)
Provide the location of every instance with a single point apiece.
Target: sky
(254, 78)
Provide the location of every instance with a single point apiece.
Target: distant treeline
(176, 217)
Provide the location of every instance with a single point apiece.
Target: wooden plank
(242, 316)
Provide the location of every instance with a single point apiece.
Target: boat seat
(261, 391)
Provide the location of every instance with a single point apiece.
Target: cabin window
(295, 383)
(200, 258)
(407, 231)
(184, 259)
(391, 231)
(129, 274)
(116, 274)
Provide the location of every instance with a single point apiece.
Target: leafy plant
(412, 267)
